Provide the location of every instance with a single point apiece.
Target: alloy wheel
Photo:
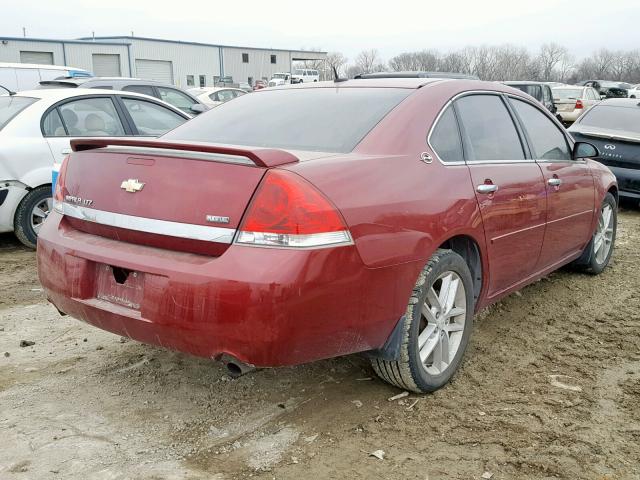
(443, 316)
(39, 213)
(604, 234)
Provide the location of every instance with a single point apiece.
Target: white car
(634, 92)
(304, 75)
(214, 96)
(36, 128)
(573, 100)
(27, 76)
(278, 79)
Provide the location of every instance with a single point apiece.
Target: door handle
(487, 188)
(554, 182)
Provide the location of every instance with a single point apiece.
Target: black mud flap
(390, 351)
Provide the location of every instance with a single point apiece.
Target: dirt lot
(550, 389)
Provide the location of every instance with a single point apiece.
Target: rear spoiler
(262, 157)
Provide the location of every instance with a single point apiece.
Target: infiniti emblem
(608, 146)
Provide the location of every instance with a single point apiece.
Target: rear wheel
(597, 254)
(31, 214)
(437, 326)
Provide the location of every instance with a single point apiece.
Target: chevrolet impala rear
(306, 222)
(215, 250)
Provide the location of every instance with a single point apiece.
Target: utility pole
(24, 32)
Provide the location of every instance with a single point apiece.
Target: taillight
(579, 104)
(59, 192)
(287, 211)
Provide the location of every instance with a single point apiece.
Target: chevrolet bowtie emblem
(132, 185)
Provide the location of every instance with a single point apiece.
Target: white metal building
(185, 64)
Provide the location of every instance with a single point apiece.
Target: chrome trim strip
(585, 212)
(515, 232)
(150, 225)
(476, 162)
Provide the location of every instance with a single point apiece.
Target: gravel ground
(550, 388)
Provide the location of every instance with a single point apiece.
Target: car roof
(54, 94)
(522, 82)
(364, 83)
(416, 74)
(82, 80)
(568, 87)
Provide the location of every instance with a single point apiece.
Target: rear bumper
(570, 116)
(10, 197)
(266, 307)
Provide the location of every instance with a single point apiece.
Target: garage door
(157, 70)
(42, 58)
(106, 65)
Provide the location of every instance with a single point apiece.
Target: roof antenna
(10, 92)
(336, 78)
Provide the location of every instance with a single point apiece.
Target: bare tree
(553, 62)
(368, 61)
(551, 54)
(335, 60)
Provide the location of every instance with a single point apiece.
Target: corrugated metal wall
(81, 55)
(259, 65)
(10, 51)
(77, 55)
(186, 59)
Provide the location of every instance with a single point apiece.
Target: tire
(594, 260)
(409, 372)
(28, 217)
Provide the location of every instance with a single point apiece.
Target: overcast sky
(339, 25)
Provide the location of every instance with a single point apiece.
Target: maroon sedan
(311, 221)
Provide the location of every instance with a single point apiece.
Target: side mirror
(198, 108)
(584, 150)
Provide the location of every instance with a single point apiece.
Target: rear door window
(489, 129)
(547, 141)
(144, 89)
(445, 138)
(91, 117)
(151, 119)
(52, 125)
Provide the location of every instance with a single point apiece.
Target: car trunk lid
(179, 196)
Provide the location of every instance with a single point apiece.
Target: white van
(303, 75)
(27, 76)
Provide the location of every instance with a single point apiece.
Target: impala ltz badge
(78, 200)
(132, 185)
(217, 219)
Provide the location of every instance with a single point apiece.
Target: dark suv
(538, 90)
(168, 93)
(609, 89)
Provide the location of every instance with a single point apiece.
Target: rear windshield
(613, 118)
(12, 106)
(567, 94)
(315, 119)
